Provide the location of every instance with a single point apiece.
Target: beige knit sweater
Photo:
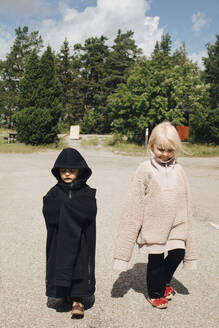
(157, 210)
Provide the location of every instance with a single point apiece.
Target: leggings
(160, 271)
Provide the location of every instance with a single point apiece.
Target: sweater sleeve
(190, 259)
(131, 218)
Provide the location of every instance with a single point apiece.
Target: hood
(70, 158)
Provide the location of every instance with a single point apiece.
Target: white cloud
(104, 19)
(197, 57)
(199, 21)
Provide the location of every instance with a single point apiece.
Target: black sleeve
(51, 208)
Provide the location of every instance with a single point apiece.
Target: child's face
(68, 175)
(162, 151)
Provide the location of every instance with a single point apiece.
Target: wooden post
(146, 136)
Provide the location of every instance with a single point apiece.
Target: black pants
(160, 271)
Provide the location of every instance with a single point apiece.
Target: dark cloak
(70, 216)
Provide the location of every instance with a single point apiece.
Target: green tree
(159, 88)
(64, 72)
(29, 84)
(89, 61)
(37, 124)
(121, 59)
(211, 72)
(205, 123)
(13, 68)
(4, 112)
(97, 71)
(165, 44)
(49, 88)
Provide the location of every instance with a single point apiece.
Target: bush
(63, 127)
(205, 126)
(37, 126)
(92, 122)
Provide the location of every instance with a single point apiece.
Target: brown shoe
(77, 310)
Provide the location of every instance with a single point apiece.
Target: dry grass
(200, 150)
(116, 145)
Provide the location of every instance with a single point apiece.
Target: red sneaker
(160, 303)
(169, 292)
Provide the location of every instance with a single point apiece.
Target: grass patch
(95, 141)
(126, 148)
(21, 148)
(200, 150)
(119, 146)
(112, 143)
(91, 142)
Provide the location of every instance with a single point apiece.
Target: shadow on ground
(135, 279)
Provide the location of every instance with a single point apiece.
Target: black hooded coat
(70, 216)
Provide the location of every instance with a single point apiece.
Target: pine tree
(121, 59)
(165, 44)
(14, 64)
(89, 60)
(49, 89)
(65, 75)
(37, 123)
(29, 83)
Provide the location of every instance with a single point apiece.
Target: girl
(157, 216)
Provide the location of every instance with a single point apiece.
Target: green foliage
(92, 122)
(205, 126)
(49, 88)
(29, 83)
(36, 126)
(89, 61)
(97, 72)
(113, 88)
(121, 59)
(64, 72)
(164, 87)
(205, 122)
(211, 72)
(12, 69)
(20, 148)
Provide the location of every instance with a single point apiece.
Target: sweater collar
(158, 163)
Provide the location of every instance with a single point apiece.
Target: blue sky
(192, 21)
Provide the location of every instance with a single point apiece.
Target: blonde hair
(168, 135)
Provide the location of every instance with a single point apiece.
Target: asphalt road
(120, 298)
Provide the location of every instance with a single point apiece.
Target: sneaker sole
(162, 306)
(77, 316)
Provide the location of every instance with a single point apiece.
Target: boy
(69, 209)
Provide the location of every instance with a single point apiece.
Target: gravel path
(120, 298)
